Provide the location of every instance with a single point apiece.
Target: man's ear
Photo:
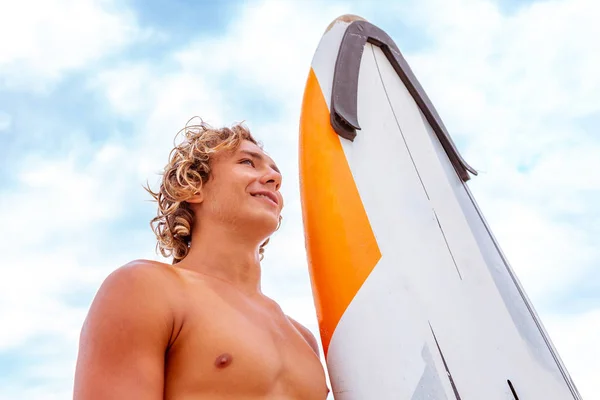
(196, 198)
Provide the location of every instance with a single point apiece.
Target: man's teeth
(265, 196)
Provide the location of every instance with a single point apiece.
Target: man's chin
(266, 223)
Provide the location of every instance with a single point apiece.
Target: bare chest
(243, 349)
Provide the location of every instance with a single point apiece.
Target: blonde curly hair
(189, 167)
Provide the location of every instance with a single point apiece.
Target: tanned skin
(202, 329)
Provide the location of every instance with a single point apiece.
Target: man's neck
(226, 255)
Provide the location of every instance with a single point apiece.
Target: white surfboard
(414, 297)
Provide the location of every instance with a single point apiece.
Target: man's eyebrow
(260, 158)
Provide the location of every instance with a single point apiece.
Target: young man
(201, 328)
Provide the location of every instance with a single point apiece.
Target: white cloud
(5, 121)
(66, 194)
(576, 336)
(264, 54)
(548, 256)
(42, 40)
(269, 47)
(525, 66)
(54, 223)
(42, 374)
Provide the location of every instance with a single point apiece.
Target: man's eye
(247, 161)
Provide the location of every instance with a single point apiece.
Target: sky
(93, 92)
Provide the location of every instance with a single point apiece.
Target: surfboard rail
(344, 115)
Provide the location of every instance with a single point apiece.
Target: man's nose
(272, 177)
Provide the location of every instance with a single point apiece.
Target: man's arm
(123, 340)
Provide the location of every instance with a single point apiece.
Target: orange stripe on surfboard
(342, 249)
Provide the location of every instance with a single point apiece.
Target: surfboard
(414, 297)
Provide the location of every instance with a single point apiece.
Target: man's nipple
(223, 360)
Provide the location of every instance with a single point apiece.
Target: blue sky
(92, 93)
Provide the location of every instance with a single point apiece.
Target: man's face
(243, 189)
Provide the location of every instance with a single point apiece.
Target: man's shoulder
(138, 280)
(307, 334)
(145, 265)
(141, 271)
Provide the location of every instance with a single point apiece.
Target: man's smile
(268, 195)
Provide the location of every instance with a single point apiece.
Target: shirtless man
(201, 328)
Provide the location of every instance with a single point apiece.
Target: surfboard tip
(347, 18)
